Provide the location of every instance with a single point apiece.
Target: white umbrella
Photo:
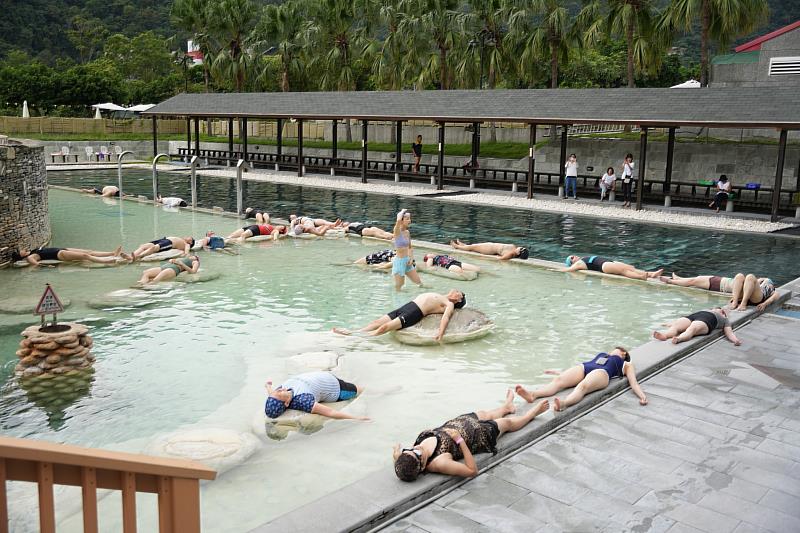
(108, 106)
(690, 84)
(25, 112)
(97, 114)
(141, 107)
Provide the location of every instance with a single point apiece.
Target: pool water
(548, 236)
(199, 357)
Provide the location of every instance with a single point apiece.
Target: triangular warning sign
(49, 303)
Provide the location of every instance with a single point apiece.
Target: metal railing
(177, 482)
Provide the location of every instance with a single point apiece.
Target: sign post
(48, 304)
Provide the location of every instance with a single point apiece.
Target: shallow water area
(199, 356)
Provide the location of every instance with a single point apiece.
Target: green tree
(720, 20)
(87, 36)
(145, 57)
(435, 28)
(193, 16)
(282, 26)
(231, 25)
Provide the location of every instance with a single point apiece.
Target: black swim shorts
(409, 315)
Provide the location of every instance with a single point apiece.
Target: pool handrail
(239, 197)
(176, 481)
(193, 164)
(119, 169)
(155, 175)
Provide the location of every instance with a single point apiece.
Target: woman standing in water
(403, 262)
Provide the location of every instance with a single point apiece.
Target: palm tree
(720, 20)
(192, 16)
(435, 27)
(391, 66)
(281, 26)
(231, 25)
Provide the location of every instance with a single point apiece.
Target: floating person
(170, 270)
(608, 266)
(258, 230)
(365, 230)
(441, 449)
(382, 259)
(109, 191)
(427, 303)
(67, 255)
(403, 262)
(171, 201)
(699, 323)
(316, 222)
(183, 244)
(308, 392)
(752, 290)
(262, 217)
(212, 242)
(709, 283)
(449, 263)
(505, 251)
(587, 377)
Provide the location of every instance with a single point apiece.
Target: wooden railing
(177, 482)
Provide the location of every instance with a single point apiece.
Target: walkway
(716, 450)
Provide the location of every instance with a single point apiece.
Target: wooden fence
(177, 482)
(80, 126)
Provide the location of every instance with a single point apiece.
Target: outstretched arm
(763, 305)
(448, 312)
(731, 336)
(630, 373)
(324, 410)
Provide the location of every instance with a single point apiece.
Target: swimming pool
(547, 235)
(200, 356)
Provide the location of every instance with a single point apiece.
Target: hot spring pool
(198, 357)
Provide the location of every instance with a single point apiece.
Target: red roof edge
(755, 44)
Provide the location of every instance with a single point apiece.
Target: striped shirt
(310, 388)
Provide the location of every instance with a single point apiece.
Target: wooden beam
(776, 191)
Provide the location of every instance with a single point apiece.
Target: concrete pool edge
(380, 498)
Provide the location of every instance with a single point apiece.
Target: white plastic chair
(64, 153)
(117, 150)
(104, 155)
(89, 153)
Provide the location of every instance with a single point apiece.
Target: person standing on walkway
(416, 147)
(627, 180)
(441, 449)
(571, 171)
(607, 181)
(403, 262)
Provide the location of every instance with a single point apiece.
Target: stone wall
(24, 219)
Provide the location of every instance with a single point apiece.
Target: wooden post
(197, 137)
(642, 167)
(364, 150)
(188, 138)
(243, 135)
(335, 141)
(128, 482)
(3, 498)
(230, 138)
(47, 511)
(668, 169)
(440, 166)
(300, 148)
(155, 136)
(165, 510)
(186, 504)
(398, 149)
(776, 191)
(562, 160)
(89, 492)
(280, 144)
(476, 145)
(531, 159)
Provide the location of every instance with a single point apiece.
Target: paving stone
(768, 479)
(750, 512)
(450, 497)
(680, 527)
(489, 489)
(604, 483)
(537, 481)
(434, 518)
(781, 449)
(726, 435)
(698, 398)
(555, 513)
(745, 527)
(775, 499)
(744, 489)
(497, 517)
(750, 457)
(702, 518)
(786, 436)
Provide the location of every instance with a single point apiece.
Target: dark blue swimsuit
(612, 366)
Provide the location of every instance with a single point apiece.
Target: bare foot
(524, 393)
(655, 274)
(543, 406)
(660, 336)
(675, 340)
(557, 405)
(342, 331)
(674, 275)
(118, 250)
(742, 307)
(510, 407)
(665, 279)
(126, 257)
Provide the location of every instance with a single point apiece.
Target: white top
(724, 186)
(572, 168)
(608, 179)
(627, 170)
(171, 201)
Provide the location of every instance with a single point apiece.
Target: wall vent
(782, 66)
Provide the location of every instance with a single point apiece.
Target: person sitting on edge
(382, 259)
(170, 269)
(608, 266)
(449, 263)
(587, 377)
(607, 182)
(723, 190)
(262, 217)
(171, 201)
(108, 191)
(441, 449)
(33, 257)
(505, 251)
(427, 303)
(699, 323)
(307, 392)
(163, 244)
(752, 290)
(365, 230)
(709, 283)
(257, 230)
